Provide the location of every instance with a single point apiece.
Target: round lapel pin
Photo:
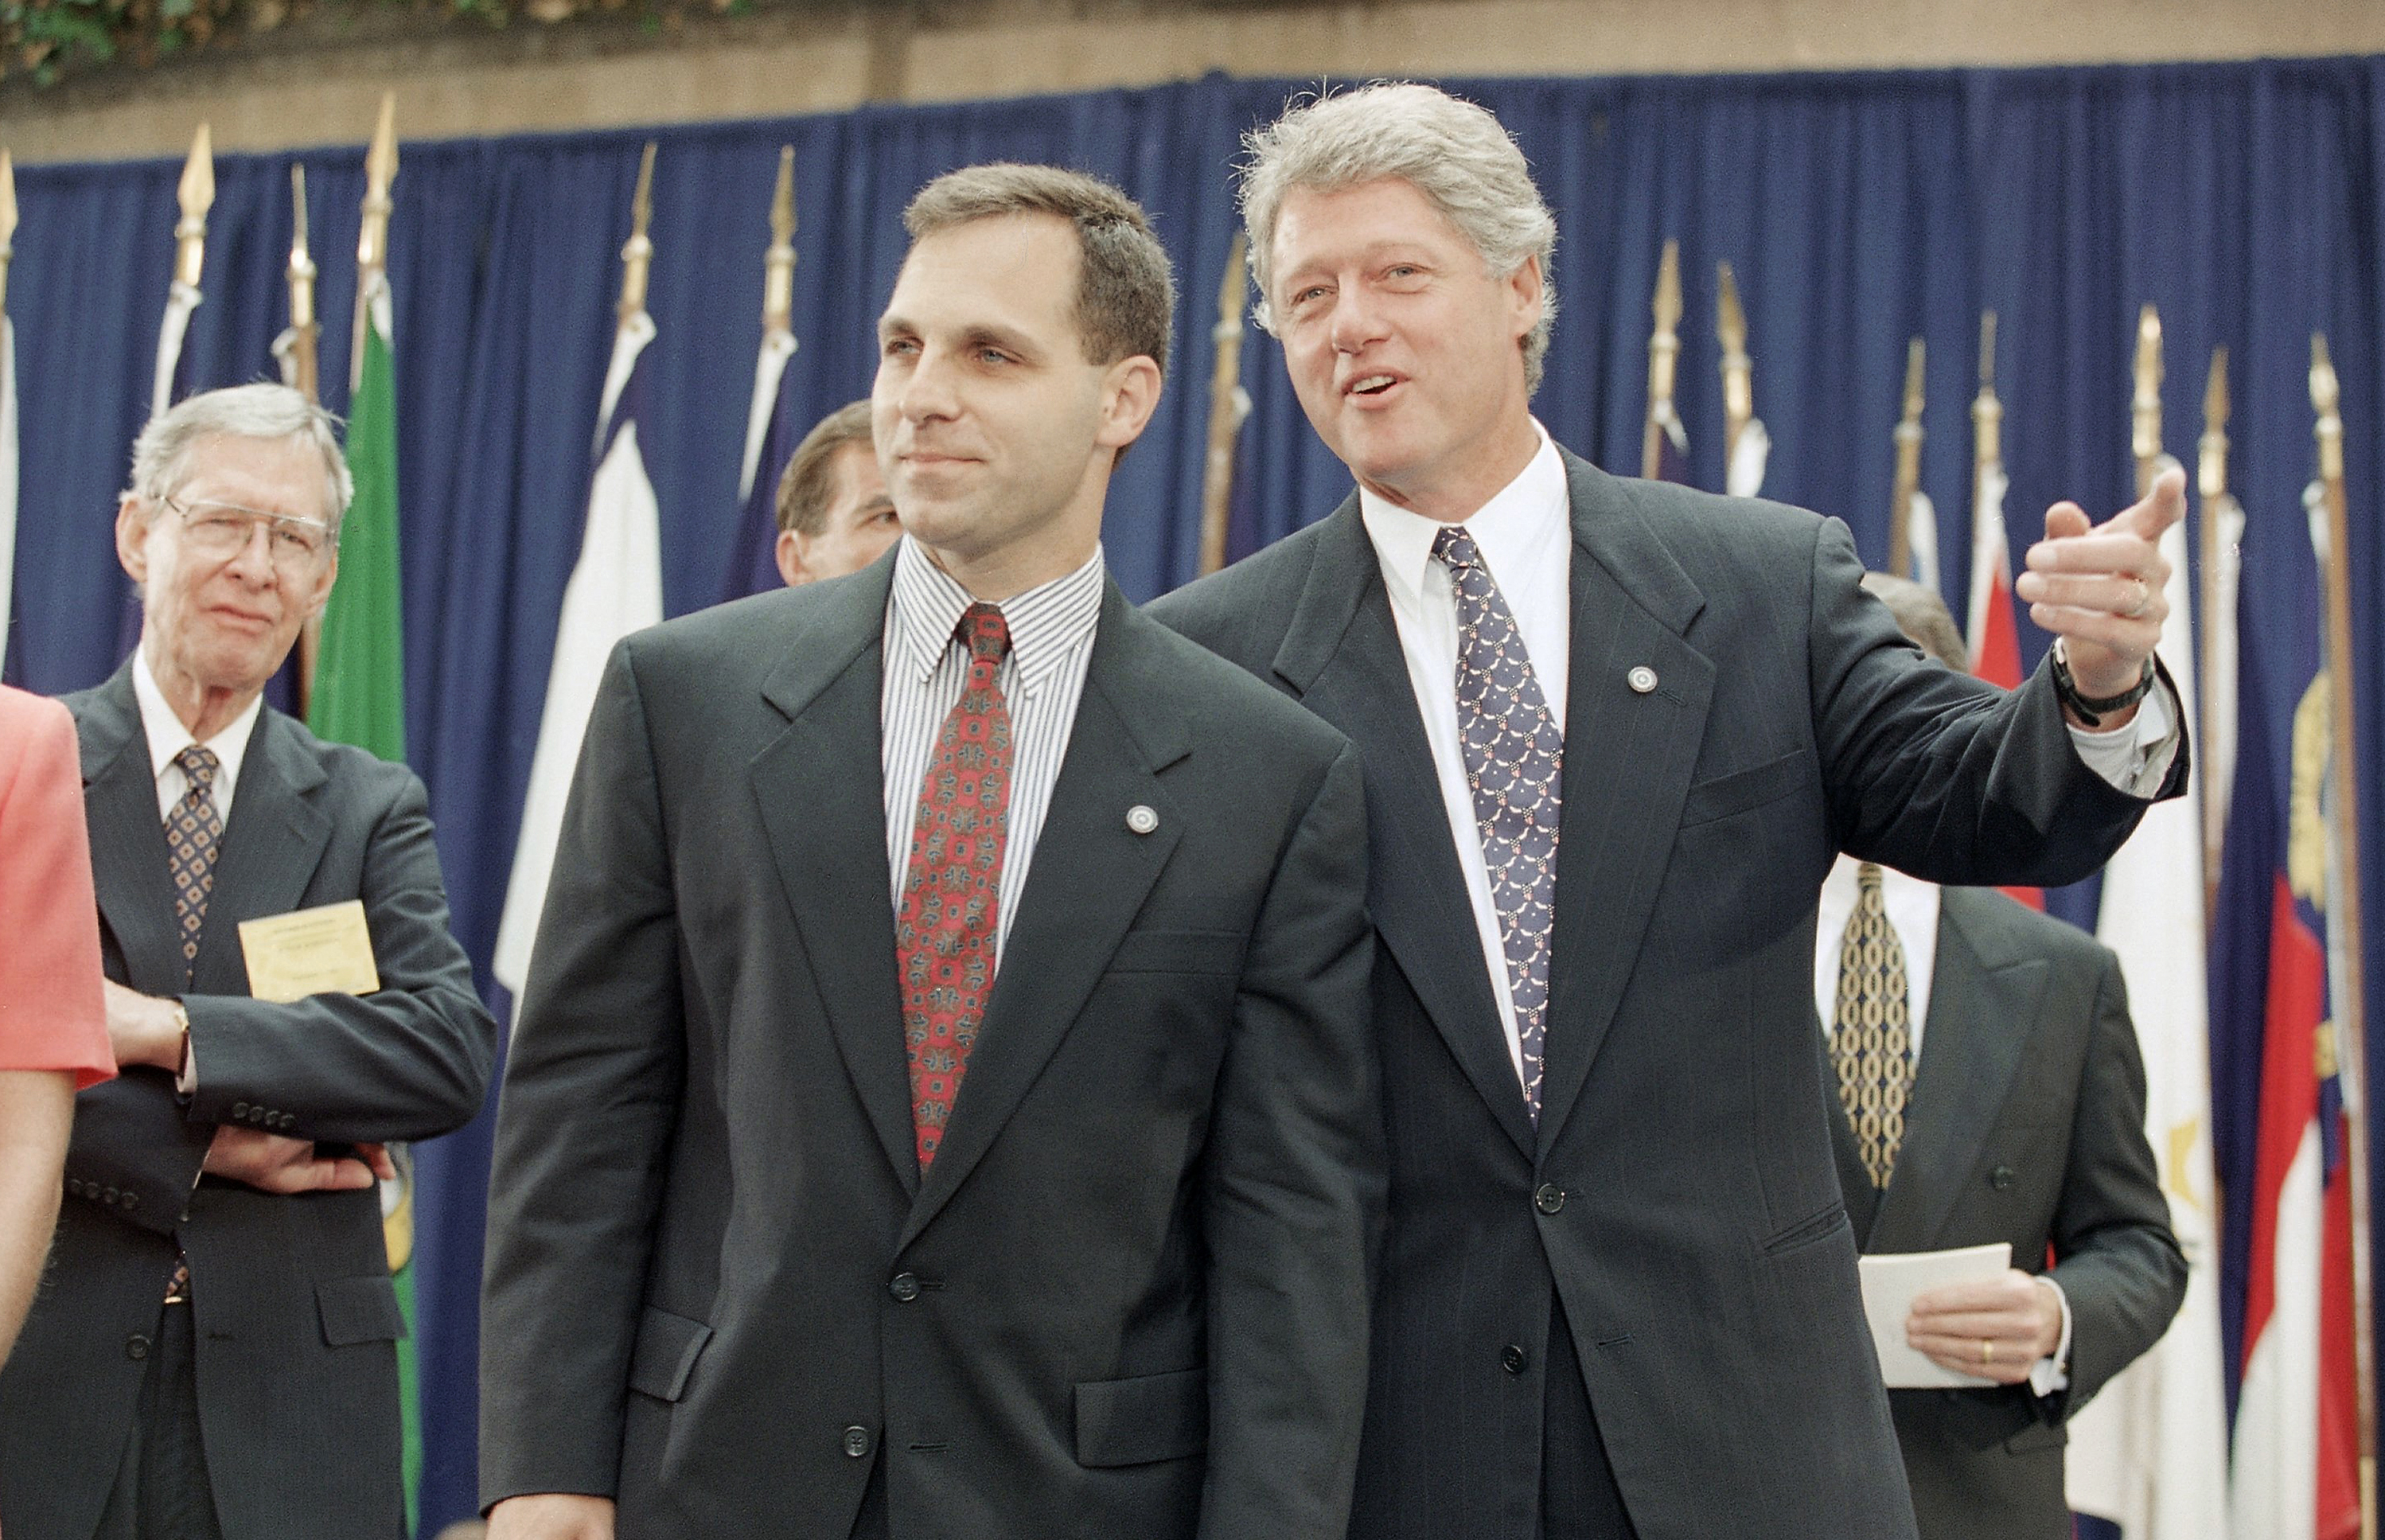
(1641, 680)
(1142, 820)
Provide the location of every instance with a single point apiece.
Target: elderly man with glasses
(213, 1352)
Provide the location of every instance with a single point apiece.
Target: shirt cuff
(2050, 1374)
(2135, 758)
(186, 1079)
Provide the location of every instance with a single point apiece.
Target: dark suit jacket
(2028, 1125)
(295, 1318)
(1679, 1194)
(1128, 1298)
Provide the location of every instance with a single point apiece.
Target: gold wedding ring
(2144, 597)
(1987, 1352)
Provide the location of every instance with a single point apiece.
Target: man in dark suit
(854, 1176)
(2020, 1102)
(213, 1351)
(1614, 735)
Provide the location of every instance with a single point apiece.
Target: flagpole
(1908, 464)
(373, 235)
(7, 223)
(2145, 409)
(1738, 369)
(1664, 354)
(297, 347)
(638, 253)
(2211, 483)
(1229, 405)
(1986, 412)
(778, 325)
(2350, 1013)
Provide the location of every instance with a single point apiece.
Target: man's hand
(551, 1516)
(272, 1164)
(142, 1029)
(2101, 587)
(1996, 1329)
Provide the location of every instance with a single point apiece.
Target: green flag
(359, 698)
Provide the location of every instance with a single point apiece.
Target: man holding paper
(1990, 1097)
(213, 1351)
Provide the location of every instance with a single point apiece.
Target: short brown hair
(810, 478)
(1922, 615)
(1126, 290)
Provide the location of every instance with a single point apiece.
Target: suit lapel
(1341, 655)
(1983, 993)
(819, 789)
(1088, 878)
(1628, 760)
(128, 838)
(270, 849)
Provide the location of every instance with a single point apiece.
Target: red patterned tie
(944, 935)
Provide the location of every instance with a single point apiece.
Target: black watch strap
(2092, 710)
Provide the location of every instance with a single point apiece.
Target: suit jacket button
(2000, 1179)
(857, 1441)
(132, 1201)
(1512, 1358)
(240, 1110)
(136, 1347)
(1549, 1197)
(904, 1287)
(108, 1196)
(285, 1120)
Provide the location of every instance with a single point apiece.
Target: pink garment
(52, 1012)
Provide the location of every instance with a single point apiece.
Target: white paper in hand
(1891, 1283)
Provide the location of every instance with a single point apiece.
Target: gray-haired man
(213, 1352)
(1614, 735)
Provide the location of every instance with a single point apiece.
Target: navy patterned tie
(193, 831)
(1514, 759)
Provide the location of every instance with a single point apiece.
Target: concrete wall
(319, 81)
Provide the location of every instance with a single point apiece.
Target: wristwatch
(2092, 710)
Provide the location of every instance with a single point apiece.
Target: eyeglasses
(224, 530)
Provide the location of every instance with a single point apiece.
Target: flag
(1991, 630)
(615, 588)
(771, 434)
(1672, 444)
(1744, 476)
(2149, 1454)
(2287, 1273)
(1921, 539)
(359, 698)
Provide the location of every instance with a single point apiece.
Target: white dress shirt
(167, 737)
(1912, 906)
(1052, 628)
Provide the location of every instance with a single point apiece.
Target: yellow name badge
(321, 951)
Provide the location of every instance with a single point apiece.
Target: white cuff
(2136, 758)
(2050, 1374)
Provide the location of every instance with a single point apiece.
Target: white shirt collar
(1046, 622)
(168, 735)
(1512, 529)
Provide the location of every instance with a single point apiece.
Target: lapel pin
(1641, 680)
(1142, 820)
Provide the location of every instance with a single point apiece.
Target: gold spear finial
(2146, 408)
(1738, 370)
(7, 221)
(638, 254)
(303, 329)
(779, 262)
(2211, 470)
(2327, 401)
(1664, 352)
(1908, 463)
(197, 194)
(1986, 412)
(381, 169)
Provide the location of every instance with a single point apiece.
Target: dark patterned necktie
(1514, 756)
(945, 932)
(1871, 1040)
(194, 830)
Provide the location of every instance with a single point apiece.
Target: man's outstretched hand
(2101, 586)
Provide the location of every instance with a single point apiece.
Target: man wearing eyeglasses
(212, 1354)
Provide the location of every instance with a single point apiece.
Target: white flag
(769, 366)
(181, 300)
(2149, 1453)
(1744, 476)
(1921, 539)
(616, 588)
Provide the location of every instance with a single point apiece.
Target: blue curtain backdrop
(1858, 210)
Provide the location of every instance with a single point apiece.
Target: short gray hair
(258, 411)
(1453, 152)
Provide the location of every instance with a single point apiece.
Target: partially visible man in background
(53, 1030)
(834, 515)
(214, 1354)
(2005, 1101)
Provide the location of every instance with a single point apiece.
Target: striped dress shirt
(1042, 676)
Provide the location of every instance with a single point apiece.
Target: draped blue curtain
(1857, 211)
